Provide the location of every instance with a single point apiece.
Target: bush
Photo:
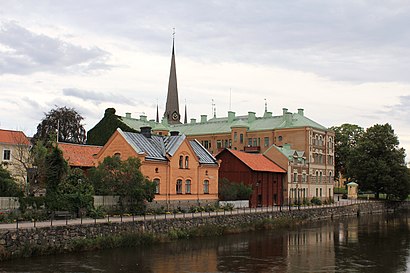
(231, 191)
(316, 201)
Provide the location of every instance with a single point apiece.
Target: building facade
(185, 173)
(15, 154)
(264, 176)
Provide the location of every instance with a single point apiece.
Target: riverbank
(62, 239)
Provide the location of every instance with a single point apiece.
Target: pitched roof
(223, 125)
(288, 152)
(79, 155)
(13, 137)
(257, 162)
(158, 147)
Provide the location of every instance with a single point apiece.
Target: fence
(107, 201)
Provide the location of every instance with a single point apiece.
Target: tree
(104, 129)
(123, 178)
(8, 187)
(346, 137)
(64, 121)
(229, 191)
(378, 164)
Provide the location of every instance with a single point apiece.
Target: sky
(342, 61)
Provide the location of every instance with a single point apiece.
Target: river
(370, 243)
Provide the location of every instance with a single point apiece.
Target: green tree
(8, 187)
(66, 122)
(37, 174)
(346, 137)
(104, 129)
(378, 164)
(123, 178)
(55, 173)
(230, 191)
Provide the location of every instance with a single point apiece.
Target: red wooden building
(265, 177)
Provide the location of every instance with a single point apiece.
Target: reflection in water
(374, 243)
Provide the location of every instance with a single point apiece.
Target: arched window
(206, 186)
(156, 181)
(156, 170)
(320, 177)
(181, 163)
(118, 155)
(317, 177)
(241, 138)
(188, 186)
(179, 186)
(186, 162)
(295, 177)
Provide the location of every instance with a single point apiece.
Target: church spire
(157, 119)
(186, 115)
(172, 107)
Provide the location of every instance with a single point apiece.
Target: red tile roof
(13, 137)
(257, 162)
(79, 155)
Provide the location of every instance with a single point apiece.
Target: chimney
(284, 110)
(146, 131)
(143, 118)
(231, 116)
(267, 115)
(193, 121)
(174, 133)
(251, 117)
(288, 117)
(203, 118)
(300, 112)
(128, 115)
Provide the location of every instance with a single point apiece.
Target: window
(320, 178)
(117, 155)
(6, 154)
(235, 136)
(280, 138)
(179, 186)
(304, 177)
(219, 144)
(317, 192)
(241, 138)
(320, 192)
(250, 142)
(206, 186)
(156, 181)
(186, 162)
(266, 141)
(156, 170)
(295, 177)
(188, 186)
(255, 142)
(317, 177)
(181, 159)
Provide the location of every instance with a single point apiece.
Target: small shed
(352, 190)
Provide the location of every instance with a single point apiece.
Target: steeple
(157, 119)
(186, 115)
(172, 107)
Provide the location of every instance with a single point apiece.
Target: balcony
(252, 149)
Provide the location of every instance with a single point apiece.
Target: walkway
(118, 219)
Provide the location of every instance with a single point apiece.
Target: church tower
(172, 107)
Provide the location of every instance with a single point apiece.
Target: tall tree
(346, 137)
(64, 121)
(378, 164)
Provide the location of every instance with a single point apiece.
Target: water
(373, 243)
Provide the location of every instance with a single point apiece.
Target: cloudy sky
(343, 61)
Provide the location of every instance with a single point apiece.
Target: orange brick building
(186, 174)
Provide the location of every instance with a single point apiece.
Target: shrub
(316, 201)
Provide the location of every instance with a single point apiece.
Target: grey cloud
(400, 111)
(97, 97)
(342, 39)
(29, 52)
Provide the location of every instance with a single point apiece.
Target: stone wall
(22, 242)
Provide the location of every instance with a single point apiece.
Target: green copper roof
(287, 151)
(223, 126)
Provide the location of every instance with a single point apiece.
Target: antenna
(213, 107)
(230, 99)
(266, 106)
